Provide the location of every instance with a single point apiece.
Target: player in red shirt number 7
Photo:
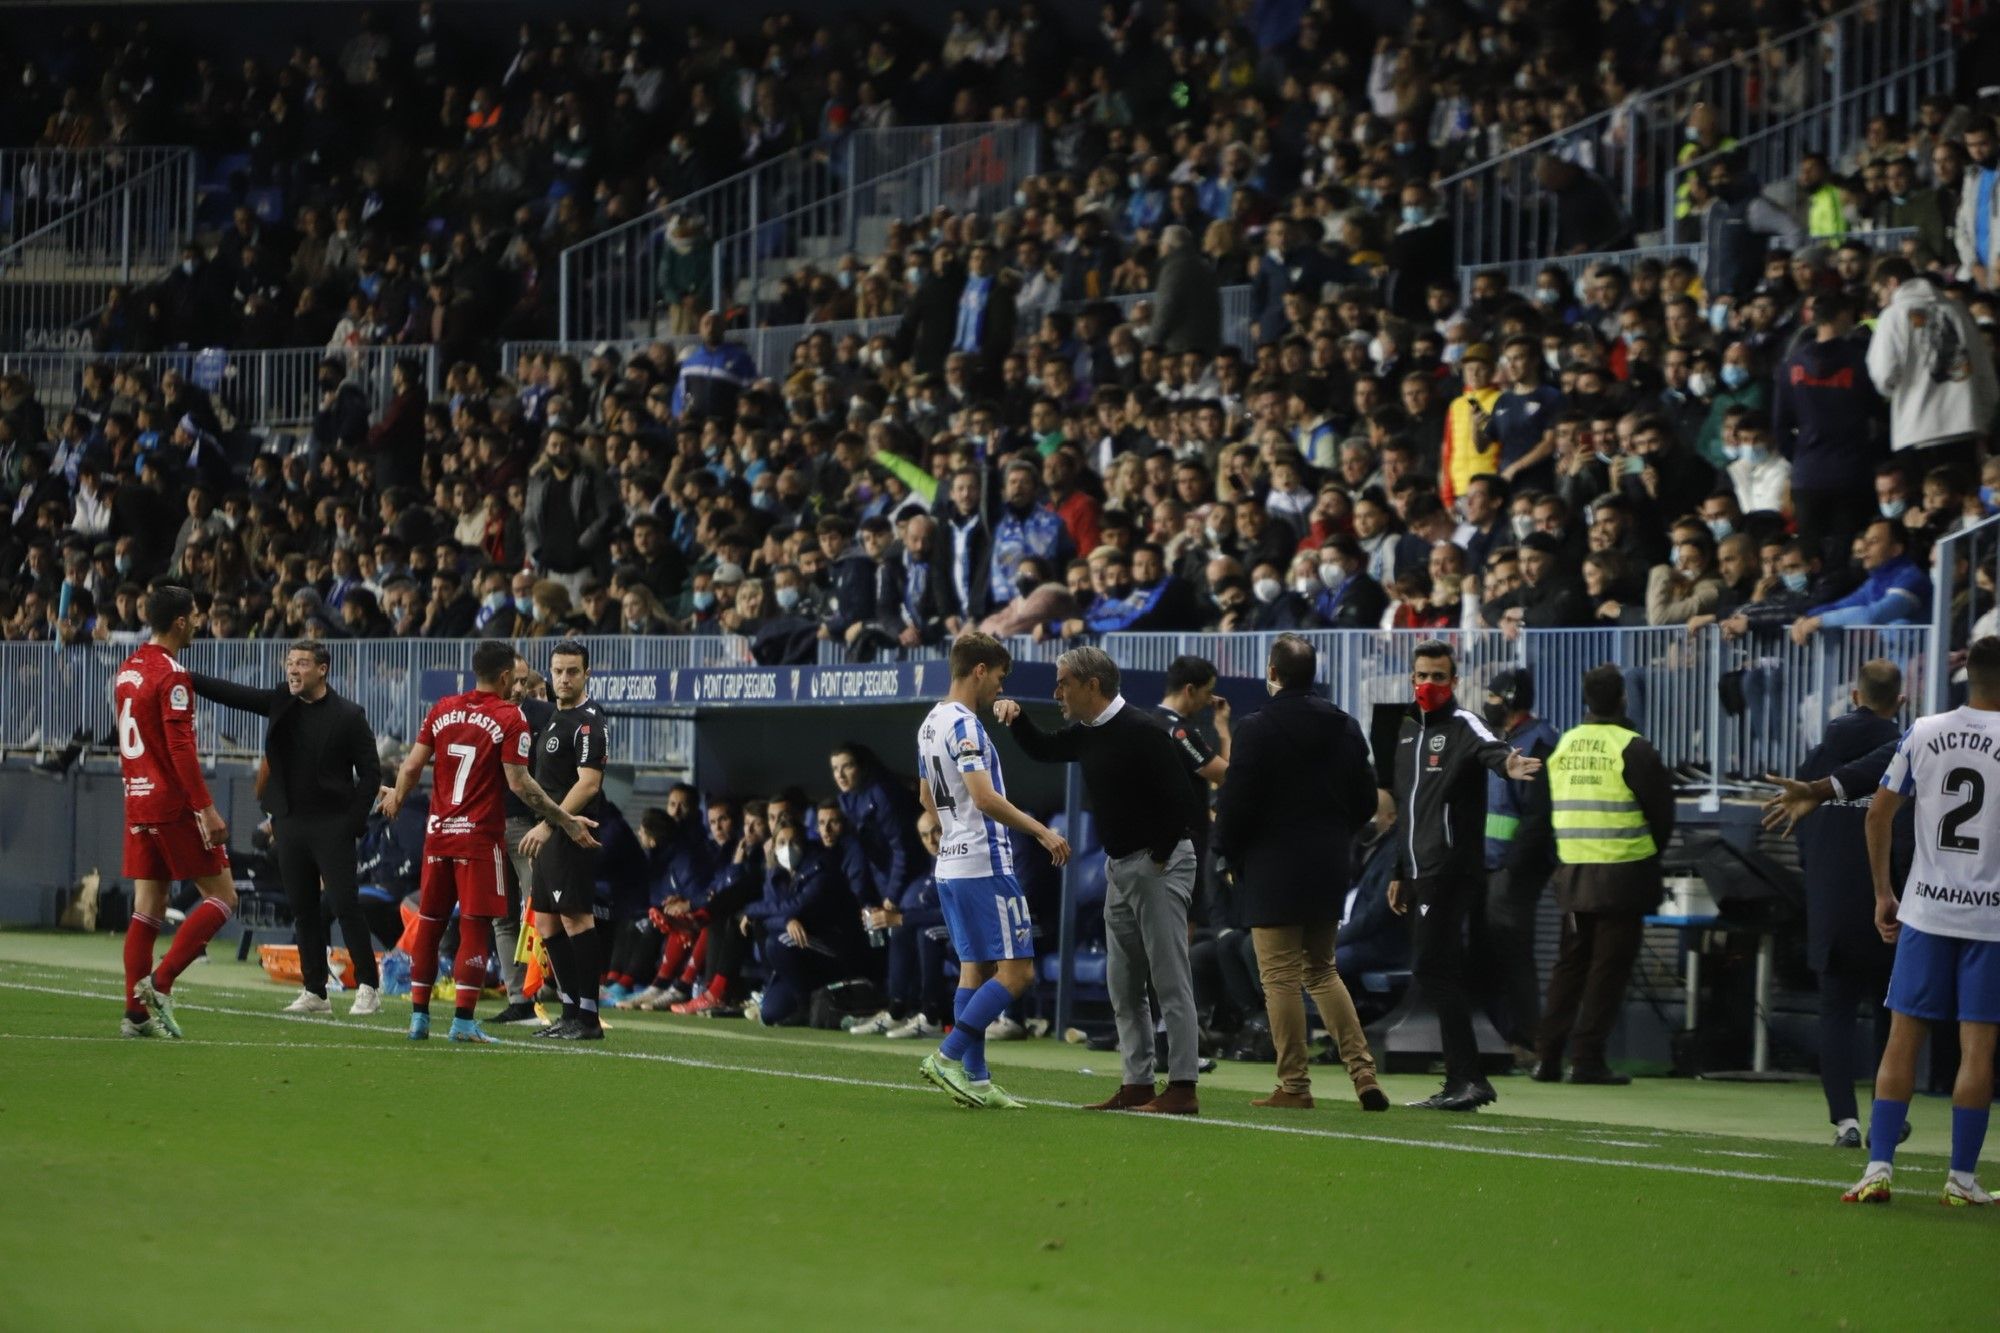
(482, 745)
(172, 828)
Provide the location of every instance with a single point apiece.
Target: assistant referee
(322, 777)
(569, 758)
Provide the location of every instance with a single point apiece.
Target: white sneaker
(309, 1003)
(367, 1000)
(150, 1028)
(645, 999)
(914, 1026)
(1004, 1028)
(1963, 1192)
(874, 1026)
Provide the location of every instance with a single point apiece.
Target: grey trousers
(1146, 939)
(507, 929)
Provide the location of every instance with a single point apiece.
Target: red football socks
(424, 960)
(468, 973)
(141, 933)
(193, 936)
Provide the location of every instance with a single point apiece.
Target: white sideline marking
(806, 1076)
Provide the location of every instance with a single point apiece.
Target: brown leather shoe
(1178, 1099)
(1369, 1093)
(1129, 1097)
(1287, 1101)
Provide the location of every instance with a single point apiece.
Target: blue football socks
(1968, 1136)
(973, 1010)
(1885, 1126)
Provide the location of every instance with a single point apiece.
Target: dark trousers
(1841, 991)
(728, 946)
(795, 974)
(1437, 943)
(916, 978)
(315, 855)
(1828, 519)
(1587, 987)
(1505, 941)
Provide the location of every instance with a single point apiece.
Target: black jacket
(1833, 851)
(1298, 788)
(1441, 763)
(347, 771)
(1133, 772)
(1187, 307)
(925, 335)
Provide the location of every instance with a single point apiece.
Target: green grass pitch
(274, 1172)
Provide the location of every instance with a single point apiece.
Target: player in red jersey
(172, 828)
(482, 745)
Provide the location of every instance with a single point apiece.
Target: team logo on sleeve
(967, 749)
(177, 699)
(526, 744)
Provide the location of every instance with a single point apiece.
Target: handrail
(1944, 578)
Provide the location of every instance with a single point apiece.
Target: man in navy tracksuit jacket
(713, 376)
(811, 930)
(881, 816)
(1827, 418)
(1842, 944)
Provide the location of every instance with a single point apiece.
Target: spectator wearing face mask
(1759, 478)
(1348, 597)
(1895, 591)
(1689, 587)
(1736, 387)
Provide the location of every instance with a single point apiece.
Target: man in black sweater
(1147, 818)
(318, 782)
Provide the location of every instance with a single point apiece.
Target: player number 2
(130, 743)
(940, 789)
(465, 754)
(1956, 781)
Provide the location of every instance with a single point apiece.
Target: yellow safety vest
(1596, 817)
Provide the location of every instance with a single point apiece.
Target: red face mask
(1431, 696)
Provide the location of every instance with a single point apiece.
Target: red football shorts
(478, 884)
(171, 851)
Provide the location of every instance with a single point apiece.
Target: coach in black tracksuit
(322, 778)
(1443, 753)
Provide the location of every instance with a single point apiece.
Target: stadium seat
(1384, 983)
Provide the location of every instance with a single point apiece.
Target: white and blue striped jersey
(1949, 764)
(950, 744)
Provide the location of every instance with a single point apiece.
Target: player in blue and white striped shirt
(984, 907)
(1946, 926)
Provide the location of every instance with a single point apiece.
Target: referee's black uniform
(323, 777)
(565, 879)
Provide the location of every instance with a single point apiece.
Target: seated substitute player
(1946, 929)
(172, 828)
(569, 758)
(482, 746)
(959, 781)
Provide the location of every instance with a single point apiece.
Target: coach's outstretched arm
(998, 808)
(247, 698)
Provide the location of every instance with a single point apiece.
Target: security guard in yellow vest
(1612, 808)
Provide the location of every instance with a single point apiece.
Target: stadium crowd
(1662, 444)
